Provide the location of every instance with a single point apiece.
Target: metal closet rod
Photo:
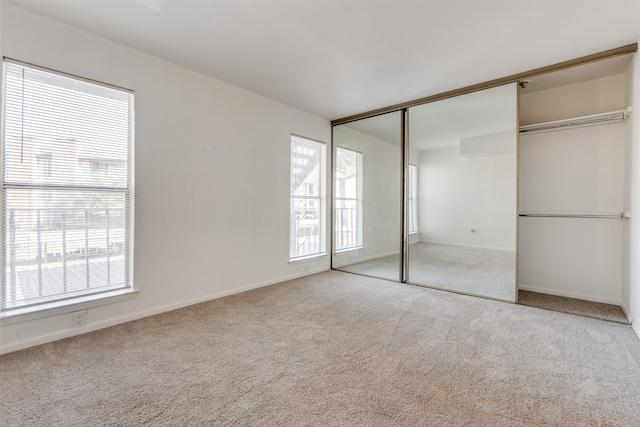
(624, 50)
(550, 215)
(613, 116)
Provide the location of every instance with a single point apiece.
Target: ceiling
(339, 58)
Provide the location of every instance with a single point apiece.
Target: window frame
(320, 198)
(412, 200)
(69, 301)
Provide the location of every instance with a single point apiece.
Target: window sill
(314, 257)
(41, 311)
(352, 248)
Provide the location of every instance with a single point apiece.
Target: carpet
(333, 349)
(610, 312)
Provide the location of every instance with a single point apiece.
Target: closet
(573, 181)
(518, 184)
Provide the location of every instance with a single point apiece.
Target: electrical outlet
(78, 318)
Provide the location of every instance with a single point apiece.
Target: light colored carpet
(387, 268)
(610, 312)
(475, 271)
(333, 349)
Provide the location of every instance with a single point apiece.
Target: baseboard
(575, 295)
(91, 327)
(627, 313)
(435, 242)
(369, 258)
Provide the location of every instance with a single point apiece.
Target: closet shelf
(613, 116)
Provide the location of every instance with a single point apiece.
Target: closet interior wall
(574, 171)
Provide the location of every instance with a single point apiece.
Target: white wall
(452, 200)
(626, 227)
(212, 176)
(573, 170)
(574, 100)
(380, 193)
(631, 289)
(577, 170)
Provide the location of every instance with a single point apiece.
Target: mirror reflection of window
(348, 219)
(412, 200)
(367, 197)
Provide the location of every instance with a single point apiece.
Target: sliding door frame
(404, 249)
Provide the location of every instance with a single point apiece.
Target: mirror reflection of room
(368, 196)
(462, 190)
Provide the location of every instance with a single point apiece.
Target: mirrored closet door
(367, 202)
(462, 193)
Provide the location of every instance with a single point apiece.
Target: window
(44, 166)
(348, 219)
(413, 199)
(65, 212)
(307, 235)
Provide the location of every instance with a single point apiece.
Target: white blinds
(67, 149)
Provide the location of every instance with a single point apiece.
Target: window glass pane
(347, 173)
(306, 195)
(348, 215)
(66, 153)
(413, 199)
(62, 243)
(78, 121)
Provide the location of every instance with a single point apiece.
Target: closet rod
(617, 216)
(577, 121)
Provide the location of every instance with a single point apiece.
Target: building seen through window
(307, 220)
(66, 154)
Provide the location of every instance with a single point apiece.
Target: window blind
(67, 174)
